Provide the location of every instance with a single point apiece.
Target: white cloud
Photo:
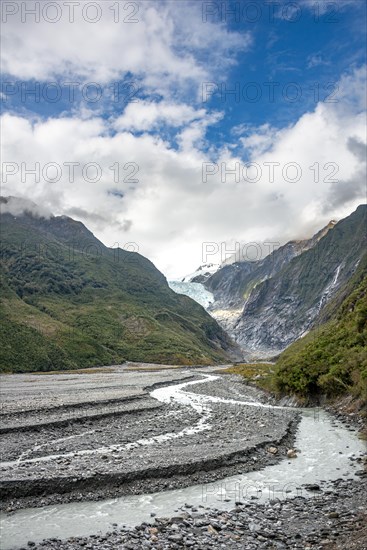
(167, 45)
(170, 211)
(17, 206)
(258, 140)
(316, 60)
(144, 116)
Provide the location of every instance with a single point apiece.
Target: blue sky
(291, 65)
(297, 70)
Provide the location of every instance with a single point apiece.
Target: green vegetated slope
(67, 301)
(332, 358)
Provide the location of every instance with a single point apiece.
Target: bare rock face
(268, 304)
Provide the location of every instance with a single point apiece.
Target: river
(325, 447)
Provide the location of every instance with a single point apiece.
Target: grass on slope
(259, 374)
(332, 358)
(63, 308)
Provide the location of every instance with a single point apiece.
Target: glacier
(196, 291)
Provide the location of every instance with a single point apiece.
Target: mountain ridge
(266, 267)
(69, 301)
(268, 305)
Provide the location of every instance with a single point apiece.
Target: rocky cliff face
(331, 359)
(268, 304)
(233, 284)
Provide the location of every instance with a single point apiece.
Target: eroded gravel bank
(127, 442)
(132, 446)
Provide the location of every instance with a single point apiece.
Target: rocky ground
(334, 518)
(65, 441)
(62, 441)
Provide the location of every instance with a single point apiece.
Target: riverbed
(228, 421)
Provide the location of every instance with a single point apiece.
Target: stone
(175, 538)
(291, 453)
(211, 530)
(313, 487)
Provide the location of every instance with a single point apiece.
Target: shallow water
(325, 447)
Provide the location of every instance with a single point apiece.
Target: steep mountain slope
(69, 301)
(332, 358)
(233, 284)
(282, 308)
(202, 273)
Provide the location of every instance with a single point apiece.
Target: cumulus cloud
(258, 140)
(160, 44)
(161, 200)
(147, 115)
(346, 190)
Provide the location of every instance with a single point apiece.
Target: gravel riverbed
(129, 432)
(334, 518)
(126, 442)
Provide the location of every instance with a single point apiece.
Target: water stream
(325, 447)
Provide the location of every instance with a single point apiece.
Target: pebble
(294, 524)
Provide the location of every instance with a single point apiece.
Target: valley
(183, 275)
(168, 440)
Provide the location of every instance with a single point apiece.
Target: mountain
(202, 273)
(231, 280)
(266, 305)
(233, 284)
(68, 301)
(332, 358)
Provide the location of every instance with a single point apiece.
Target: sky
(186, 130)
